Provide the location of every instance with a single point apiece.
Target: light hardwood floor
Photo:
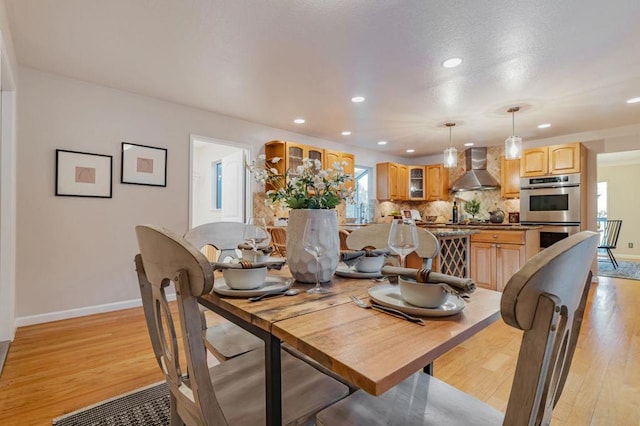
(59, 367)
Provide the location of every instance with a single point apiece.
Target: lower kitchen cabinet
(496, 255)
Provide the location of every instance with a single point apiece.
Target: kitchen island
(497, 251)
(453, 257)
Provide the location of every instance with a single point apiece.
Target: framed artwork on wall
(143, 165)
(82, 174)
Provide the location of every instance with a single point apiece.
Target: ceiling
(571, 63)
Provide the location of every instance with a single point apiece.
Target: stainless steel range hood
(476, 178)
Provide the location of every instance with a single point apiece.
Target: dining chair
(225, 340)
(546, 299)
(609, 238)
(377, 235)
(279, 240)
(231, 393)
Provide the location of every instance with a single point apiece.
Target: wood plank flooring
(59, 367)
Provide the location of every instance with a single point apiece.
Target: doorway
(618, 173)
(219, 190)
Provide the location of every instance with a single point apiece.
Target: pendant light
(513, 144)
(450, 154)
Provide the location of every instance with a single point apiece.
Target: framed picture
(81, 174)
(143, 165)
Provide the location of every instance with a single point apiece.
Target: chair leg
(613, 259)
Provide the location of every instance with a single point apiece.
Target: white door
(233, 187)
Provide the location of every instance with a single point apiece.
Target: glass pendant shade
(513, 147)
(450, 157)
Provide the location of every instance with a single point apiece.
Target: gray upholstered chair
(546, 299)
(231, 393)
(225, 340)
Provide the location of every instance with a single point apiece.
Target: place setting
(422, 292)
(366, 263)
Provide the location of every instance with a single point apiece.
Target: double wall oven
(552, 202)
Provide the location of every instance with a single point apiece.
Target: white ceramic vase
(302, 264)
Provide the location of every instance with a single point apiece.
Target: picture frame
(143, 165)
(83, 174)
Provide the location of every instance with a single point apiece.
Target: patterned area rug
(628, 270)
(147, 406)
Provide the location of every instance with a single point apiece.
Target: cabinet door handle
(495, 236)
(498, 245)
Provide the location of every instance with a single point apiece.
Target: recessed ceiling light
(468, 144)
(411, 150)
(382, 143)
(452, 62)
(357, 99)
(544, 126)
(346, 133)
(633, 100)
(299, 121)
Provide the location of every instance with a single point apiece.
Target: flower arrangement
(306, 188)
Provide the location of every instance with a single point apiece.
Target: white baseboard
(81, 312)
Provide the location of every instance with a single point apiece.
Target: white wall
(624, 204)
(73, 252)
(8, 165)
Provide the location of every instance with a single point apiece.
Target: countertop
(484, 226)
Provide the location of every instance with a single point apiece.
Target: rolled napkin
(245, 264)
(350, 257)
(464, 285)
(249, 246)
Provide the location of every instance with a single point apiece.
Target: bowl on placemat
(424, 295)
(245, 279)
(369, 264)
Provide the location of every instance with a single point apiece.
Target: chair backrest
(279, 240)
(546, 299)
(342, 234)
(610, 234)
(166, 257)
(377, 235)
(225, 236)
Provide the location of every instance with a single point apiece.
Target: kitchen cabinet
(552, 160)
(437, 182)
(403, 182)
(417, 182)
(496, 255)
(510, 178)
(292, 154)
(348, 161)
(388, 181)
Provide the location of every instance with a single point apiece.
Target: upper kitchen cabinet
(292, 154)
(388, 181)
(417, 180)
(510, 178)
(552, 160)
(348, 161)
(437, 182)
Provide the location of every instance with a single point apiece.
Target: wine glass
(317, 242)
(403, 238)
(256, 234)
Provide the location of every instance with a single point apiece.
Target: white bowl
(254, 256)
(424, 295)
(369, 264)
(245, 279)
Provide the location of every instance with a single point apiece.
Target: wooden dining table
(369, 349)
